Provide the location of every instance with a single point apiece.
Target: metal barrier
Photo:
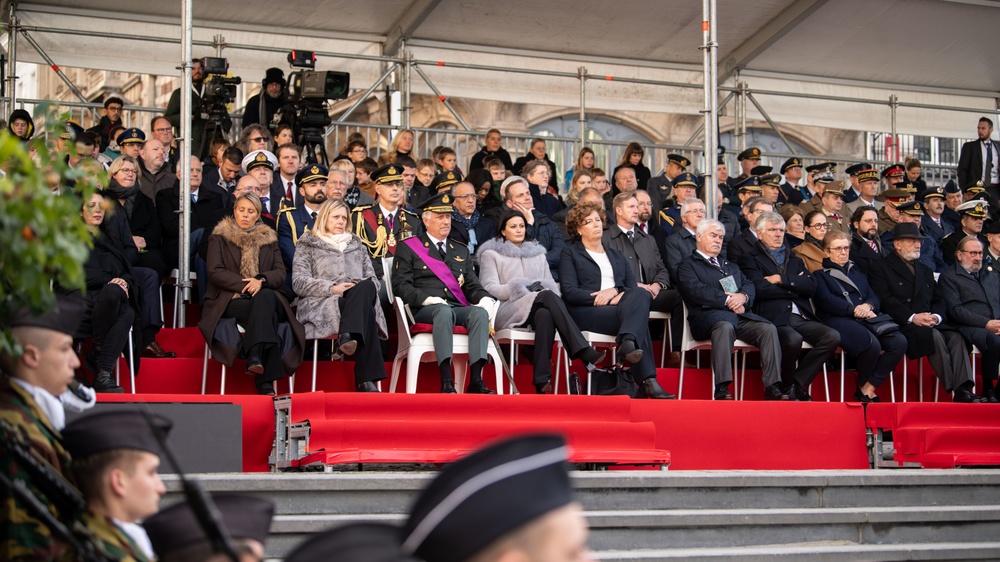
(83, 113)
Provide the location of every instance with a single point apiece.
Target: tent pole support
(894, 144)
(62, 75)
(711, 111)
(367, 93)
(583, 108)
(184, 259)
(701, 128)
(770, 122)
(12, 30)
(443, 99)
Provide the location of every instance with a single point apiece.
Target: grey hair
(690, 202)
(706, 224)
(769, 216)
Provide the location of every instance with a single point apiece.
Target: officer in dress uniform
(130, 142)
(115, 463)
(659, 188)
(177, 535)
(685, 186)
(933, 222)
(893, 174)
(293, 222)
(973, 214)
(852, 193)
(888, 215)
(789, 192)
(748, 159)
(747, 188)
(819, 175)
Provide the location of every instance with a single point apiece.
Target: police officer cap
(789, 164)
(749, 154)
(681, 161)
(119, 429)
(445, 179)
(438, 203)
(976, 209)
(952, 187)
(388, 174)
(311, 172)
(177, 527)
(853, 170)
(65, 318)
(370, 542)
(751, 183)
(912, 208)
(71, 130)
(259, 158)
(486, 495)
(274, 75)
(931, 192)
(686, 180)
(129, 136)
(761, 170)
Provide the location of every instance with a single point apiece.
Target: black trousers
(549, 315)
(357, 318)
(803, 367)
(111, 319)
(149, 304)
(260, 317)
(669, 300)
(630, 317)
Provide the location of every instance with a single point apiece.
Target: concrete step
(815, 552)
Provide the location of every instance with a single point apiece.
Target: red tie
(874, 247)
(288, 192)
(642, 227)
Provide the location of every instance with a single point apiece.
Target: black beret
(107, 431)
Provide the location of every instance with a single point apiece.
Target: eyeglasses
(257, 139)
(971, 253)
(840, 248)
(821, 226)
(128, 171)
(163, 130)
(359, 151)
(466, 196)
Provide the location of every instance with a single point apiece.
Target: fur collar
(528, 249)
(249, 243)
(311, 241)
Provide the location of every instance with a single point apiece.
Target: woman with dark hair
(487, 198)
(333, 276)
(283, 135)
(585, 161)
(602, 296)
(514, 269)
(632, 158)
(536, 152)
(844, 301)
(811, 248)
(245, 276)
(21, 125)
(913, 169)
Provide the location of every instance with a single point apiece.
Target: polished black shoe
(774, 392)
(863, 398)
(543, 388)
(591, 356)
(478, 387)
(797, 393)
(104, 383)
(255, 366)
(649, 388)
(346, 344)
(989, 396)
(628, 351)
(367, 386)
(722, 392)
(265, 389)
(448, 387)
(155, 351)
(963, 396)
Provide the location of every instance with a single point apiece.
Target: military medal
(461, 279)
(391, 240)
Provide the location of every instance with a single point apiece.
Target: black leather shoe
(478, 387)
(864, 399)
(255, 366)
(774, 392)
(346, 344)
(989, 396)
(963, 396)
(367, 386)
(649, 388)
(797, 393)
(722, 393)
(104, 383)
(628, 351)
(265, 389)
(448, 387)
(543, 388)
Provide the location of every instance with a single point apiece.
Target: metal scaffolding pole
(770, 122)
(184, 258)
(443, 99)
(407, 55)
(583, 105)
(711, 106)
(367, 93)
(741, 118)
(12, 60)
(48, 60)
(701, 128)
(894, 144)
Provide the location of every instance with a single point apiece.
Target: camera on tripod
(306, 99)
(220, 90)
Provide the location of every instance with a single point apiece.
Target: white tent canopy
(926, 52)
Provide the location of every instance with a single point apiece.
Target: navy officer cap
(853, 170)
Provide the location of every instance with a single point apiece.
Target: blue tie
(988, 170)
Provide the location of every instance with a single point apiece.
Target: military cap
(913, 208)
(65, 318)
(904, 230)
(752, 153)
(721, 161)
(751, 183)
(907, 186)
(952, 187)
(931, 192)
(774, 180)
(975, 188)
(259, 158)
(682, 161)
(853, 170)
(388, 174)
(71, 130)
(894, 171)
(760, 170)
(311, 172)
(686, 180)
(438, 203)
(371, 542)
(993, 228)
(895, 196)
(119, 429)
(176, 527)
(834, 188)
(483, 497)
(975, 209)
(129, 136)
(274, 75)
(789, 164)
(445, 179)
(868, 174)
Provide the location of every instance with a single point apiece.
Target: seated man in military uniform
(685, 187)
(385, 223)
(434, 277)
(293, 222)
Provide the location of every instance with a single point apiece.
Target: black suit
(905, 292)
(971, 165)
(970, 303)
(774, 301)
(206, 212)
(863, 255)
(741, 244)
(676, 248)
(708, 317)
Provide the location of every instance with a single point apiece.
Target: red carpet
(940, 435)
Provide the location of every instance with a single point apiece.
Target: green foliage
(43, 240)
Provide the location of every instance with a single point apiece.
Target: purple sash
(438, 268)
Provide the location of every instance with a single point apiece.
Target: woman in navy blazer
(877, 356)
(602, 296)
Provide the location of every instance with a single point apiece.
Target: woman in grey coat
(338, 292)
(515, 270)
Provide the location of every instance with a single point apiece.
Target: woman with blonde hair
(401, 145)
(584, 161)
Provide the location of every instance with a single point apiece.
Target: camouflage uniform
(111, 540)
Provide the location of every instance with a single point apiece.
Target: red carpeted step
(185, 342)
(948, 446)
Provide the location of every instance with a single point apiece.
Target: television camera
(306, 97)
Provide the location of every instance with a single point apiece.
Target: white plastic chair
(688, 343)
(131, 365)
(667, 333)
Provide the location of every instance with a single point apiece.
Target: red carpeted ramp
(389, 428)
(940, 435)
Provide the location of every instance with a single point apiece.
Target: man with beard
(973, 215)
(199, 144)
(980, 160)
(645, 212)
(972, 300)
(273, 93)
(912, 212)
(866, 246)
(293, 222)
(906, 288)
(112, 118)
(154, 176)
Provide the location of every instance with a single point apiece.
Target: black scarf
(126, 194)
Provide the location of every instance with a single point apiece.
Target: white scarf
(338, 241)
(50, 405)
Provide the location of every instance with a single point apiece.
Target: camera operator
(273, 95)
(173, 111)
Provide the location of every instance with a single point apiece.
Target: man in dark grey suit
(719, 298)
(972, 302)
(681, 244)
(980, 160)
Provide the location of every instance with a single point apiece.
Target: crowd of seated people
(291, 250)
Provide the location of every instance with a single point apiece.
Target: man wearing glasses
(112, 118)
(747, 238)
(163, 131)
(972, 299)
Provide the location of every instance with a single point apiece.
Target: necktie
(631, 236)
(388, 220)
(873, 245)
(288, 192)
(194, 197)
(441, 248)
(715, 264)
(642, 227)
(988, 170)
(313, 215)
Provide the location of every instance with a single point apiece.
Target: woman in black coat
(632, 158)
(876, 355)
(123, 189)
(602, 295)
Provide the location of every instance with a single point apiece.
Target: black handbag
(881, 325)
(613, 382)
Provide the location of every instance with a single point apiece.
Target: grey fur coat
(317, 267)
(506, 270)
